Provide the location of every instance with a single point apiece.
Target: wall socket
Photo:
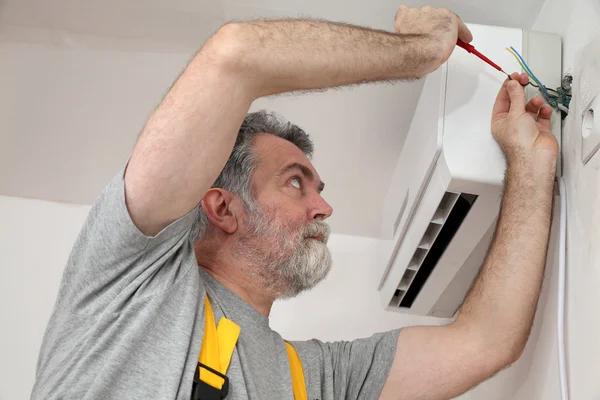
(590, 130)
(586, 96)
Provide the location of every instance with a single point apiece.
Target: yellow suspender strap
(298, 383)
(217, 349)
(217, 346)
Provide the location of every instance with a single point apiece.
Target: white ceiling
(189, 22)
(80, 78)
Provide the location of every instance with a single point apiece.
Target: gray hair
(235, 176)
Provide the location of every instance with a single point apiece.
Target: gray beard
(284, 261)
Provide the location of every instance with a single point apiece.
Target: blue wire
(530, 72)
(526, 66)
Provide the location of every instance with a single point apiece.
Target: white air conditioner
(439, 213)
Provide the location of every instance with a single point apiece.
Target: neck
(237, 277)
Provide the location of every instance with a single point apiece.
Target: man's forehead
(277, 153)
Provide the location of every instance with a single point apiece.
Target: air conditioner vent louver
(444, 224)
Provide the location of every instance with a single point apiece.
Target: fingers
(401, 10)
(430, 17)
(511, 99)
(516, 96)
(537, 108)
(464, 33)
(515, 76)
(523, 79)
(502, 103)
(545, 112)
(534, 105)
(504, 100)
(545, 115)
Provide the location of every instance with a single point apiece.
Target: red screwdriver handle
(468, 47)
(471, 49)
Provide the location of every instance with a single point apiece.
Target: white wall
(535, 376)
(578, 22)
(69, 101)
(37, 236)
(35, 239)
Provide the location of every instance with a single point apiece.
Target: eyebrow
(305, 171)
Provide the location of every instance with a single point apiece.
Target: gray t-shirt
(129, 318)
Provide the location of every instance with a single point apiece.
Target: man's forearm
(502, 303)
(289, 55)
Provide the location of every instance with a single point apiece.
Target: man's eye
(296, 183)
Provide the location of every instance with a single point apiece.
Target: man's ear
(218, 207)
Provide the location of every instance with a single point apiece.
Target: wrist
(533, 178)
(427, 55)
(539, 163)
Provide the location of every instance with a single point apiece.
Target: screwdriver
(471, 49)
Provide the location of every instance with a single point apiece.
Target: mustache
(317, 229)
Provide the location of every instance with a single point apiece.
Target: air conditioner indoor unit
(439, 213)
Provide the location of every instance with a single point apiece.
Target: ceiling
(189, 22)
(79, 79)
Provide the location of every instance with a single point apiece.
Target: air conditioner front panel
(440, 210)
(471, 151)
(417, 160)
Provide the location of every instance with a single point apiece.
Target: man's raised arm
(189, 137)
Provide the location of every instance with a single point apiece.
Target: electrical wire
(518, 60)
(558, 98)
(560, 312)
(553, 93)
(524, 67)
(528, 70)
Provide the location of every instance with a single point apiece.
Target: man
(130, 316)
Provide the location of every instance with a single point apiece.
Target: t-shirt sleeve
(348, 370)
(112, 262)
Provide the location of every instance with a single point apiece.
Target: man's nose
(321, 211)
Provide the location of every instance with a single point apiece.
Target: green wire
(558, 96)
(552, 100)
(526, 70)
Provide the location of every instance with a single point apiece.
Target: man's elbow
(499, 347)
(492, 351)
(226, 45)
(222, 50)
(505, 353)
(229, 53)
(514, 351)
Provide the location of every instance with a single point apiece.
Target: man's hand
(440, 26)
(523, 130)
